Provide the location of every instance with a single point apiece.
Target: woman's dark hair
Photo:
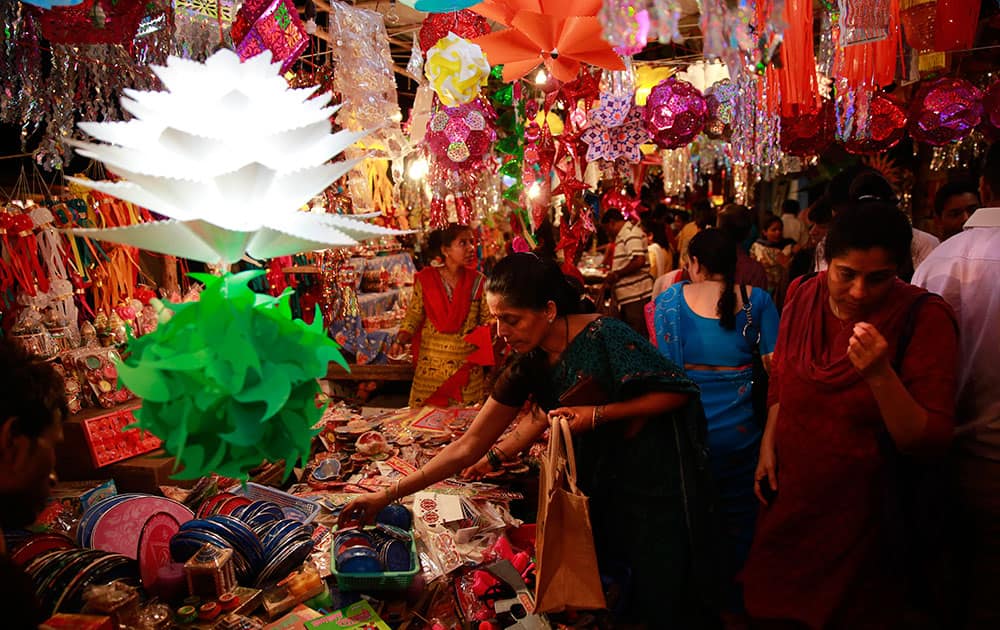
(768, 221)
(736, 221)
(716, 252)
(859, 183)
(865, 225)
(704, 214)
(658, 230)
(820, 213)
(443, 237)
(527, 281)
(36, 393)
(545, 236)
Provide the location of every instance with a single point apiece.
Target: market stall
(217, 205)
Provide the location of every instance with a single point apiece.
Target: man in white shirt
(629, 276)
(922, 245)
(965, 271)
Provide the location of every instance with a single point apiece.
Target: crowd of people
(793, 425)
(823, 388)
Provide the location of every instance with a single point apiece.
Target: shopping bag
(567, 576)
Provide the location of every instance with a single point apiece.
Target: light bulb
(418, 169)
(541, 78)
(534, 190)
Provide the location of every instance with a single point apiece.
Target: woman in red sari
(843, 398)
(447, 320)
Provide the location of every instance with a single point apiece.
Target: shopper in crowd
(864, 183)
(954, 203)
(703, 326)
(634, 447)
(864, 368)
(792, 228)
(774, 253)
(32, 410)
(661, 256)
(736, 221)
(448, 303)
(965, 271)
(629, 275)
(703, 216)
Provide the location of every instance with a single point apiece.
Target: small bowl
(349, 539)
(395, 555)
(396, 515)
(327, 469)
(359, 560)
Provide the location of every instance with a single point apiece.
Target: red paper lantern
(918, 25)
(886, 125)
(945, 110)
(91, 21)
(808, 134)
(464, 23)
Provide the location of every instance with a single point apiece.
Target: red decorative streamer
(797, 74)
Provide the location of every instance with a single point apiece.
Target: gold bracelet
(395, 490)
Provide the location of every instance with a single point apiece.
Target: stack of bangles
(393, 493)
(495, 456)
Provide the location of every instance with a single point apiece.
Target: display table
(385, 372)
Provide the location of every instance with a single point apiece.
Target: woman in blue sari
(700, 326)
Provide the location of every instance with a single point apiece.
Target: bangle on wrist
(501, 453)
(597, 417)
(493, 459)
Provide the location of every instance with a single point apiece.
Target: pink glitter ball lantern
(945, 110)
(460, 136)
(675, 113)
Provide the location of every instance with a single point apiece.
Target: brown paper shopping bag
(567, 575)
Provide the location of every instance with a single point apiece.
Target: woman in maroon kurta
(822, 556)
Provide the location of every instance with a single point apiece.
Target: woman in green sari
(638, 434)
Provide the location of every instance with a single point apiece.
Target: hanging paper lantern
(464, 23)
(945, 110)
(270, 25)
(991, 112)
(675, 113)
(808, 134)
(886, 125)
(918, 24)
(91, 22)
(456, 69)
(721, 101)
(626, 25)
(439, 6)
(229, 381)
(460, 136)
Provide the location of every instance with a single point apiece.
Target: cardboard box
(294, 620)
(77, 622)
